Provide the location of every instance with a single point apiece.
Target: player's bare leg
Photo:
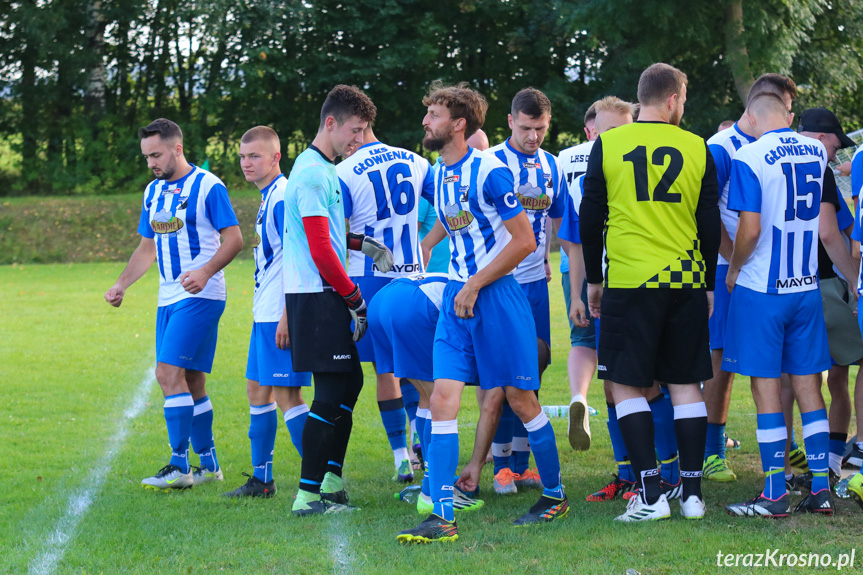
(580, 367)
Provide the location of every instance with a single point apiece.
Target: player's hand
(469, 478)
(709, 304)
(731, 278)
(382, 255)
(465, 300)
(194, 281)
(114, 296)
(578, 314)
(594, 299)
(357, 306)
(547, 272)
(283, 340)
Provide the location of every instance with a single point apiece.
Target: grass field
(82, 423)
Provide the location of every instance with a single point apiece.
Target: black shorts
(319, 325)
(654, 334)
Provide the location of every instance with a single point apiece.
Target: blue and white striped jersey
(382, 186)
(473, 197)
(857, 172)
(269, 300)
(569, 227)
(537, 181)
(780, 176)
(723, 146)
(432, 285)
(573, 163)
(184, 217)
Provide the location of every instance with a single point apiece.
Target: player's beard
(168, 171)
(435, 141)
(676, 116)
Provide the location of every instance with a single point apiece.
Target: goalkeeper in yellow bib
(651, 190)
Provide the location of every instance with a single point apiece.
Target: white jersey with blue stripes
(184, 217)
(780, 176)
(723, 146)
(381, 186)
(473, 197)
(269, 300)
(573, 164)
(537, 181)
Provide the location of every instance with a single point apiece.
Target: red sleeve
(331, 268)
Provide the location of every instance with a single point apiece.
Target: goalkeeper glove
(381, 254)
(357, 306)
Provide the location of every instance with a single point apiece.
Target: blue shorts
(369, 285)
(496, 346)
(402, 323)
(269, 365)
(579, 336)
(721, 299)
(537, 297)
(770, 334)
(186, 333)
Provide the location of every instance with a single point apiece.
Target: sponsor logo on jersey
(533, 198)
(165, 223)
(456, 218)
(451, 179)
(530, 165)
(796, 282)
(342, 356)
(401, 268)
(170, 191)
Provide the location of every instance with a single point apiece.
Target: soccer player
(581, 363)
(485, 329)
(855, 485)
(775, 318)
(402, 321)
(271, 380)
(185, 211)
(843, 333)
(381, 186)
(717, 389)
(320, 299)
(536, 177)
(655, 184)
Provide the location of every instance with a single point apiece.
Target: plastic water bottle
(409, 494)
(563, 411)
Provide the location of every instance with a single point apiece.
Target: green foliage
(78, 78)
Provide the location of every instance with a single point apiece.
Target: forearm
(726, 244)
(743, 248)
(232, 243)
(576, 270)
(434, 237)
(140, 261)
(838, 252)
(519, 247)
(489, 417)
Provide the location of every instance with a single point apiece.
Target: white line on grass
(56, 542)
(341, 551)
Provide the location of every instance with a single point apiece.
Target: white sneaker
(638, 510)
(578, 428)
(203, 475)
(168, 478)
(692, 508)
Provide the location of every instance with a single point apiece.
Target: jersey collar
(321, 154)
(179, 183)
(269, 186)
(458, 164)
(520, 154)
(780, 131)
(737, 129)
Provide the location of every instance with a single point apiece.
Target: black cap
(825, 121)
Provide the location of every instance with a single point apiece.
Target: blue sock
(837, 451)
(443, 461)
(665, 438)
(263, 423)
(501, 446)
(426, 442)
(715, 444)
(179, 410)
(520, 448)
(624, 467)
(202, 434)
(295, 419)
(544, 446)
(393, 416)
(772, 435)
(816, 437)
(411, 399)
